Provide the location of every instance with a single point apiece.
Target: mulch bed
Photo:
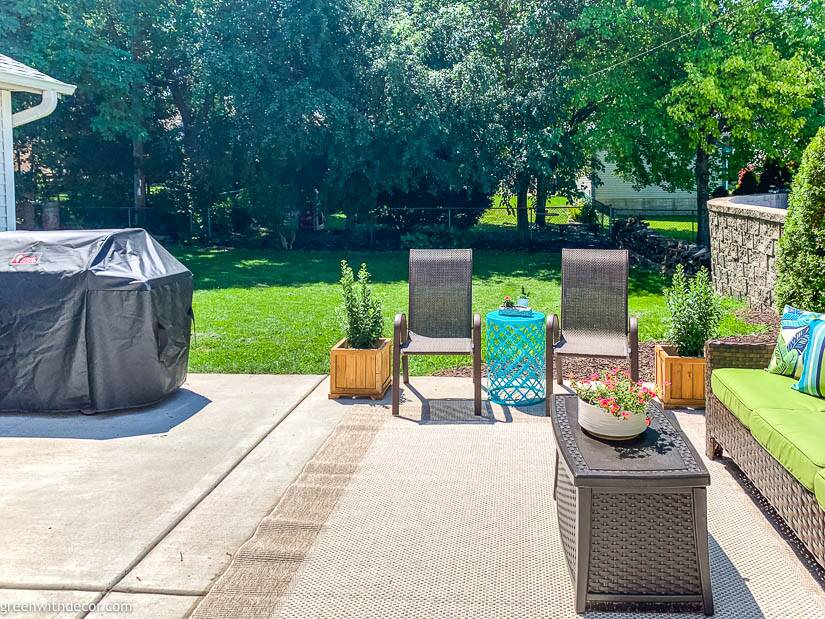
(584, 366)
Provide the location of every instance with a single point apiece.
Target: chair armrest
(633, 342)
(730, 354)
(400, 333)
(477, 331)
(552, 330)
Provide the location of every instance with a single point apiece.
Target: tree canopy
(742, 74)
(359, 105)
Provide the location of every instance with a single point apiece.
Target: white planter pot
(599, 422)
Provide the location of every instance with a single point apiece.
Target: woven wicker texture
(618, 520)
(594, 301)
(457, 520)
(441, 288)
(421, 345)
(567, 505)
(792, 501)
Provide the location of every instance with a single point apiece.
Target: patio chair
(594, 317)
(441, 320)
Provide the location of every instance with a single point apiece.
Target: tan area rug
(454, 517)
(264, 566)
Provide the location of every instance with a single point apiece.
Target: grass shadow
(255, 268)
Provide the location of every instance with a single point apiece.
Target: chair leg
(549, 355)
(548, 380)
(396, 379)
(477, 364)
(634, 349)
(405, 366)
(559, 371)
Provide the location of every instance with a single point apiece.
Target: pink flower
(647, 421)
(594, 377)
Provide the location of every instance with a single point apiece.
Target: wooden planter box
(680, 381)
(360, 372)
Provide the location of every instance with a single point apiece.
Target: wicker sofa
(774, 434)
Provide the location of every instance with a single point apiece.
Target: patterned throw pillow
(812, 380)
(792, 340)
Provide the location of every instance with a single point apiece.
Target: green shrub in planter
(360, 312)
(695, 312)
(801, 264)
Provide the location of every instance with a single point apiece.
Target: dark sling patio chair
(441, 320)
(594, 317)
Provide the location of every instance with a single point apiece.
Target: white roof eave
(24, 84)
(17, 77)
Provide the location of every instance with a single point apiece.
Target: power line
(653, 49)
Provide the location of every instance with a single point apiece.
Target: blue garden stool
(515, 358)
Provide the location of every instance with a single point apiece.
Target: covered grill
(90, 320)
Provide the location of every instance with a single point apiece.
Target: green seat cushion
(744, 390)
(795, 438)
(819, 488)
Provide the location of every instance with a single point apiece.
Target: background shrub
(747, 183)
(406, 211)
(583, 211)
(801, 264)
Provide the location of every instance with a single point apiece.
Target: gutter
(46, 106)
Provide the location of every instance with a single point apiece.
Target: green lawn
(498, 215)
(274, 312)
(675, 226)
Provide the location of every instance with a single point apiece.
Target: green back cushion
(812, 381)
(792, 340)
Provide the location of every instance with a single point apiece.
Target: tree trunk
(522, 223)
(541, 202)
(138, 159)
(702, 194)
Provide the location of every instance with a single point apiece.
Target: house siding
(7, 212)
(623, 197)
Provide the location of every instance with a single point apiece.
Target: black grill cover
(90, 320)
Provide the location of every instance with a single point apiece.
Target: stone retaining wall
(744, 238)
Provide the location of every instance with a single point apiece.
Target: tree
(801, 263)
(743, 72)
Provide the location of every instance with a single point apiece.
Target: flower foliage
(695, 312)
(360, 312)
(615, 393)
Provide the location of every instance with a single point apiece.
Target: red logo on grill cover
(25, 260)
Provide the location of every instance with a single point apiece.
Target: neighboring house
(625, 199)
(17, 77)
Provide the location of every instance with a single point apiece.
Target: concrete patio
(149, 508)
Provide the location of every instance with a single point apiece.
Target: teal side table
(515, 358)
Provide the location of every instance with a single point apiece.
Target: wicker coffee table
(632, 514)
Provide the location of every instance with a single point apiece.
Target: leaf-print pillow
(793, 339)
